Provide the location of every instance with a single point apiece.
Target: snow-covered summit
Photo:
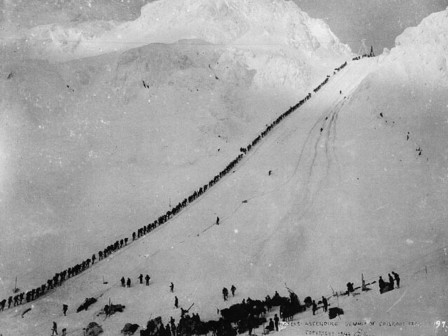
(422, 51)
(245, 23)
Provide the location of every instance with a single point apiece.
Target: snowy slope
(294, 228)
(83, 139)
(349, 193)
(86, 145)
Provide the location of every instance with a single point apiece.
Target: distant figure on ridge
(171, 287)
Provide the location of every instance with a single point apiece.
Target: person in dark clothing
(250, 323)
(325, 303)
(123, 282)
(314, 307)
(173, 325)
(391, 281)
(270, 326)
(133, 235)
(128, 283)
(176, 302)
(172, 287)
(54, 330)
(217, 220)
(276, 320)
(147, 278)
(233, 289)
(168, 329)
(64, 332)
(397, 279)
(349, 287)
(141, 278)
(93, 258)
(64, 309)
(381, 283)
(225, 293)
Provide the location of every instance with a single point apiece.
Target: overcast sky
(378, 21)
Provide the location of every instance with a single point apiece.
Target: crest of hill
(247, 23)
(422, 51)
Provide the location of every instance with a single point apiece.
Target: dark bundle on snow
(93, 329)
(88, 302)
(154, 327)
(112, 309)
(335, 312)
(129, 329)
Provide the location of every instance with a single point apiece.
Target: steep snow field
(358, 182)
(103, 144)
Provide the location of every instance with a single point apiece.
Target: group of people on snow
(387, 286)
(225, 292)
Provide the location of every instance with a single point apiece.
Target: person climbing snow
(123, 282)
(233, 289)
(225, 293)
(381, 284)
(147, 278)
(64, 309)
(217, 220)
(391, 281)
(325, 303)
(128, 283)
(176, 302)
(171, 287)
(397, 279)
(54, 330)
(140, 277)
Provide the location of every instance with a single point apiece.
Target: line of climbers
(321, 84)
(59, 278)
(357, 58)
